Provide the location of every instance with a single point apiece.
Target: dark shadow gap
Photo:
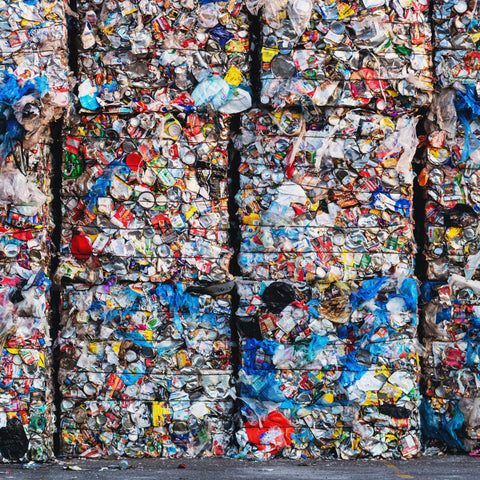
(55, 294)
(56, 212)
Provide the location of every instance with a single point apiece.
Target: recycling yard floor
(425, 468)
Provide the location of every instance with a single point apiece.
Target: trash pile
(33, 92)
(450, 181)
(346, 96)
(328, 308)
(145, 340)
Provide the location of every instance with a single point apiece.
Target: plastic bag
(300, 12)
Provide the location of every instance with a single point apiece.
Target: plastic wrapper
(153, 361)
(320, 53)
(329, 369)
(145, 197)
(450, 322)
(137, 55)
(326, 196)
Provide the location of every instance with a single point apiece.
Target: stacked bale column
(145, 343)
(328, 308)
(450, 181)
(33, 93)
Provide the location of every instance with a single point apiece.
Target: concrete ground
(425, 468)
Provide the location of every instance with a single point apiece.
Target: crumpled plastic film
(144, 55)
(318, 53)
(145, 370)
(450, 319)
(326, 195)
(145, 197)
(329, 370)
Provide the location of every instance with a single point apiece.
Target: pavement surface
(425, 468)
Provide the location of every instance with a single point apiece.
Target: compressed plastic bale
(26, 406)
(325, 196)
(449, 315)
(165, 327)
(312, 423)
(164, 175)
(450, 182)
(177, 427)
(27, 424)
(154, 54)
(153, 348)
(319, 54)
(144, 206)
(450, 365)
(34, 79)
(317, 373)
(456, 58)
